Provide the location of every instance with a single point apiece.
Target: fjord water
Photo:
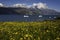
(30, 18)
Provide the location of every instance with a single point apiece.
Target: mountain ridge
(26, 11)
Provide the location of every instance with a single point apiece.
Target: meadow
(44, 30)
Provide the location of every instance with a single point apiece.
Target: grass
(45, 30)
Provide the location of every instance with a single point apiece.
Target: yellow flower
(21, 38)
(12, 39)
(30, 36)
(47, 31)
(58, 38)
(26, 35)
(16, 32)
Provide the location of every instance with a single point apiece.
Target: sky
(53, 4)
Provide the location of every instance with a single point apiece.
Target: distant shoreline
(25, 18)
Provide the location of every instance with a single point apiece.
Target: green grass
(45, 30)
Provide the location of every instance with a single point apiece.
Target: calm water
(30, 18)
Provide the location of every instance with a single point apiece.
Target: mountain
(34, 14)
(26, 11)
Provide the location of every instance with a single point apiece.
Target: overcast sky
(53, 4)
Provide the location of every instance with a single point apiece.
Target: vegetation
(45, 30)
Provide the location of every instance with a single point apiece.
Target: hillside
(27, 11)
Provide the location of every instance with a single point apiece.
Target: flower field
(44, 30)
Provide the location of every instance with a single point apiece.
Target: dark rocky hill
(26, 11)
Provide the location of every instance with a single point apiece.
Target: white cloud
(40, 5)
(19, 5)
(34, 4)
(1, 5)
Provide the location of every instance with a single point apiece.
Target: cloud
(19, 5)
(34, 5)
(40, 5)
(1, 5)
